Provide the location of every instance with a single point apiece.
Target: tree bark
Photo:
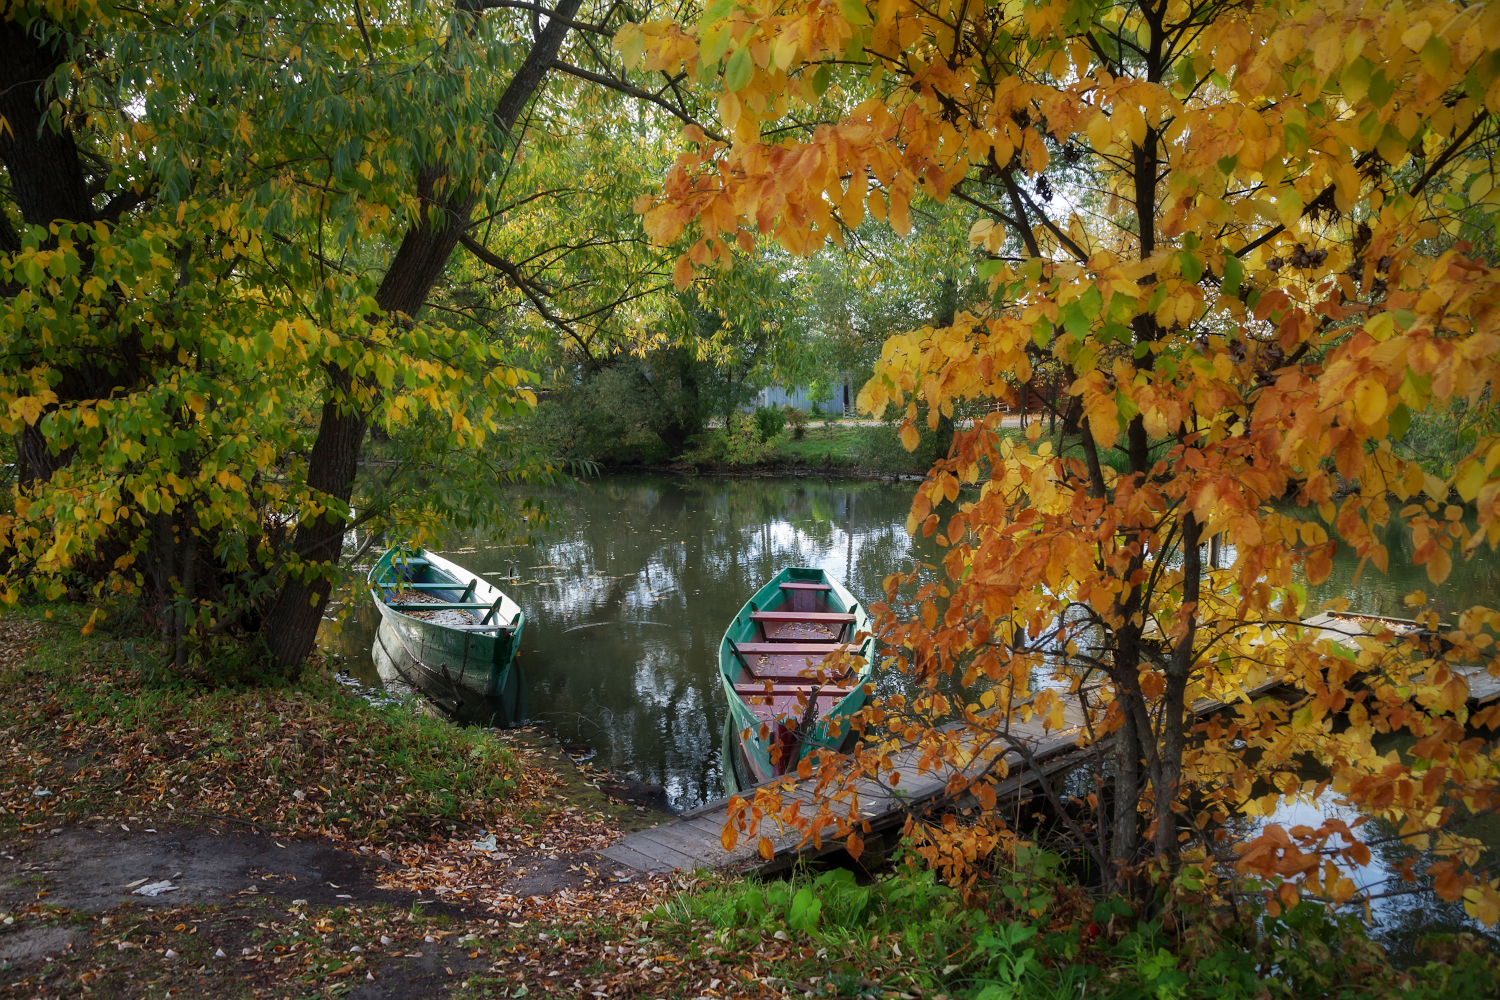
(1174, 699)
(291, 626)
(46, 174)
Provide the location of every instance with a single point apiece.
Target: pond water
(626, 603)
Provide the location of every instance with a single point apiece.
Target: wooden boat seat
(822, 617)
(421, 606)
(802, 626)
(787, 701)
(804, 595)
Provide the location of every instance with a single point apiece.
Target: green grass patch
(830, 936)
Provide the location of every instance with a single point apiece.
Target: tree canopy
(1259, 266)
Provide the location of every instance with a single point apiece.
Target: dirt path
(78, 896)
(232, 904)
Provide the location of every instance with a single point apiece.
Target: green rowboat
(782, 694)
(458, 632)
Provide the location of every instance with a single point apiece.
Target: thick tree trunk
(46, 174)
(291, 626)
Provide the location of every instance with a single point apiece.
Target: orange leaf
(682, 274)
(767, 849)
(729, 836)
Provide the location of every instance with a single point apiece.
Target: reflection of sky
(627, 601)
(1405, 911)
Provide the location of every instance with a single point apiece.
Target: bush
(738, 444)
(798, 419)
(770, 421)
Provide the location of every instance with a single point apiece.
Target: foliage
(798, 419)
(769, 421)
(737, 444)
(203, 313)
(1259, 266)
(906, 930)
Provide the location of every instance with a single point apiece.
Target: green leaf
(820, 79)
(1192, 266)
(1381, 89)
(714, 12)
(805, 910)
(715, 43)
(1400, 421)
(1187, 75)
(1041, 332)
(855, 12)
(1355, 80)
(737, 73)
(1234, 273)
(1074, 320)
(1091, 302)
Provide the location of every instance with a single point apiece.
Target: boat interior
(780, 653)
(414, 586)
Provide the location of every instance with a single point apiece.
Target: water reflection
(625, 606)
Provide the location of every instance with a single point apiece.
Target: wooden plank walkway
(692, 840)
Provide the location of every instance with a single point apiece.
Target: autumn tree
(221, 226)
(1254, 276)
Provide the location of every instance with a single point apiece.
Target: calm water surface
(626, 604)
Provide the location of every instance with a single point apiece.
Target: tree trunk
(46, 174)
(291, 626)
(1174, 701)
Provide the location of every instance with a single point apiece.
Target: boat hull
(749, 752)
(471, 667)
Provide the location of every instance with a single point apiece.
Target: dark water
(625, 606)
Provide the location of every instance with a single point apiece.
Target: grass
(85, 732)
(859, 448)
(830, 936)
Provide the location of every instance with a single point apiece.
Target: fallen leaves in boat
(447, 616)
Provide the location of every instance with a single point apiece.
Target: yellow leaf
(909, 437)
(1370, 401)
(1470, 479)
(682, 274)
(1099, 131)
(729, 836)
(1439, 565)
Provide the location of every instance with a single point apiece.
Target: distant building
(841, 399)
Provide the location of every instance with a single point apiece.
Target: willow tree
(220, 225)
(1261, 279)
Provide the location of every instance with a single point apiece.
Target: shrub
(770, 421)
(798, 419)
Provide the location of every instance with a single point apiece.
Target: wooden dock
(692, 840)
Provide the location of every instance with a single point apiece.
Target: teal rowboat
(458, 632)
(782, 694)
